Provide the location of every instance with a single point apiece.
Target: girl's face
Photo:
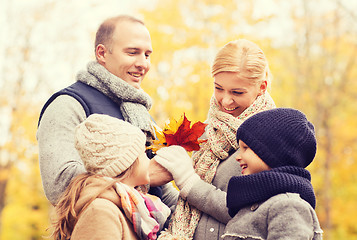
(140, 173)
(249, 161)
(234, 94)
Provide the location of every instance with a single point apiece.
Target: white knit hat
(107, 145)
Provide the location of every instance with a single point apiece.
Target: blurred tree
(17, 145)
(320, 69)
(26, 215)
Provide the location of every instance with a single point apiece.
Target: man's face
(129, 56)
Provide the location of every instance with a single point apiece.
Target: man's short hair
(105, 31)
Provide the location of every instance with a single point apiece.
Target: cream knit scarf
(221, 134)
(134, 103)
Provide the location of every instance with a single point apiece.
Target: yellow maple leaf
(172, 126)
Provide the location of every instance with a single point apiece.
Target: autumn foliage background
(311, 46)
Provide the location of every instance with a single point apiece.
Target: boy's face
(249, 161)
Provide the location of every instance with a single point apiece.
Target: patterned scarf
(221, 134)
(245, 190)
(134, 103)
(147, 213)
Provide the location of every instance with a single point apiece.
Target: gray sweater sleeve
(211, 198)
(59, 160)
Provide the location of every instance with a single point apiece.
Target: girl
(241, 76)
(103, 203)
(274, 199)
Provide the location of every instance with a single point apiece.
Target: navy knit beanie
(280, 137)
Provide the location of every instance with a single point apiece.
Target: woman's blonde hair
(65, 208)
(245, 58)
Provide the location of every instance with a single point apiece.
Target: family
(247, 181)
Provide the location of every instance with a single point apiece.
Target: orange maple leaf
(186, 136)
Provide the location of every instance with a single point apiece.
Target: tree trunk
(327, 174)
(3, 183)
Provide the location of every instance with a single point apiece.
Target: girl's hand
(158, 174)
(176, 160)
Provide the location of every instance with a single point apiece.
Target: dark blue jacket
(92, 100)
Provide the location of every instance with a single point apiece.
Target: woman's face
(234, 94)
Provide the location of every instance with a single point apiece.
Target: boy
(274, 199)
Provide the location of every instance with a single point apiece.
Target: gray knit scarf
(134, 103)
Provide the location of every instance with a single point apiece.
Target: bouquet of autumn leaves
(179, 133)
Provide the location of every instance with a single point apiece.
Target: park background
(311, 46)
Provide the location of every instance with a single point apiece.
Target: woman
(241, 77)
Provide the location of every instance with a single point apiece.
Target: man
(110, 85)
